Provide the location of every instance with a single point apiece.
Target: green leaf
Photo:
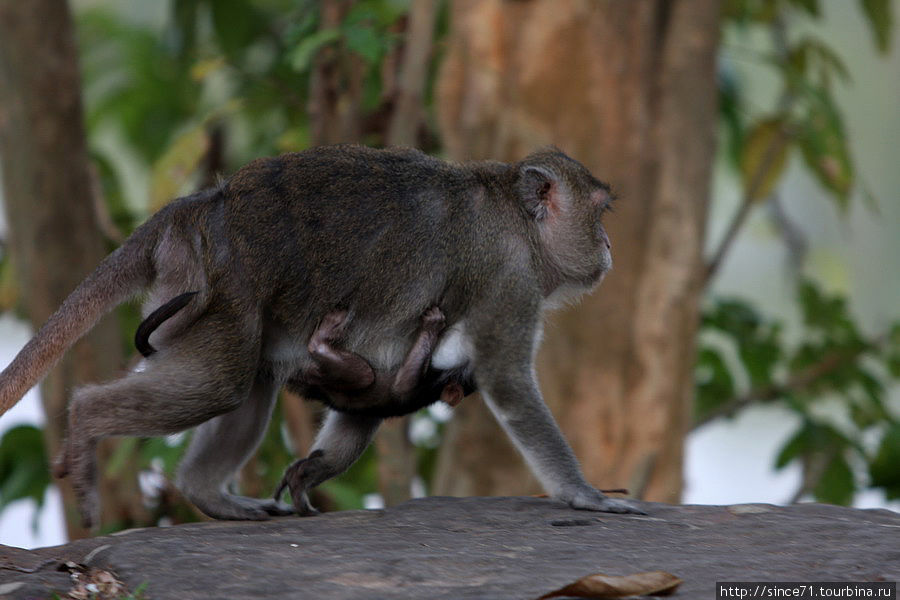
(811, 53)
(714, 384)
(745, 12)
(823, 144)
(828, 314)
(879, 14)
(364, 41)
(113, 194)
(758, 342)
(892, 351)
(237, 24)
(730, 110)
(884, 469)
(183, 29)
(135, 80)
(798, 445)
(764, 158)
(176, 167)
(760, 354)
(24, 469)
(810, 6)
(836, 486)
(301, 57)
(164, 449)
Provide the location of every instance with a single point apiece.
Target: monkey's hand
(587, 498)
(299, 478)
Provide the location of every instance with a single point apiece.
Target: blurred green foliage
(834, 377)
(24, 469)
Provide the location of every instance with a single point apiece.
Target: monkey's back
(382, 233)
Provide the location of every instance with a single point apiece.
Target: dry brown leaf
(598, 585)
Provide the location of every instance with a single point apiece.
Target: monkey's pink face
(568, 204)
(599, 202)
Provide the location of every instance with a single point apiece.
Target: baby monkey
(347, 382)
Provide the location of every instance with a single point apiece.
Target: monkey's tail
(126, 271)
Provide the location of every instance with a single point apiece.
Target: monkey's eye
(602, 200)
(604, 207)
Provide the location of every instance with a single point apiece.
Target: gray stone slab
(462, 548)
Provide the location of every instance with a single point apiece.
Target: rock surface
(460, 548)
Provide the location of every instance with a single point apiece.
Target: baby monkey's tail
(157, 318)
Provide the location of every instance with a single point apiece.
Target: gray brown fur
(381, 234)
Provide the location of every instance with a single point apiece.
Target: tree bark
(396, 461)
(409, 111)
(628, 88)
(336, 86)
(54, 234)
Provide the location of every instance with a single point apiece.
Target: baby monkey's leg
(333, 368)
(410, 373)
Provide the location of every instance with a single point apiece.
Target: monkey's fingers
(433, 319)
(278, 492)
(61, 466)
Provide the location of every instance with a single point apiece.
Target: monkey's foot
(78, 462)
(452, 394)
(240, 508)
(433, 320)
(588, 498)
(60, 466)
(302, 475)
(331, 327)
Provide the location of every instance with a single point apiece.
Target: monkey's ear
(539, 191)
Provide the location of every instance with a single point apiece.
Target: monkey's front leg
(504, 370)
(342, 440)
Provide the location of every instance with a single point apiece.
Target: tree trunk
(628, 88)
(336, 86)
(54, 235)
(409, 111)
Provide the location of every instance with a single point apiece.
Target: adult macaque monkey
(379, 235)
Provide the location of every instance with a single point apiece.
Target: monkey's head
(566, 204)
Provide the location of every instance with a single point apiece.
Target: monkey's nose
(605, 239)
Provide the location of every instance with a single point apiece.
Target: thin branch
(776, 145)
(796, 382)
(104, 219)
(793, 236)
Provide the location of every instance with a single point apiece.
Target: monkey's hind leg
(333, 368)
(342, 440)
(208, 371)
(218, 449)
